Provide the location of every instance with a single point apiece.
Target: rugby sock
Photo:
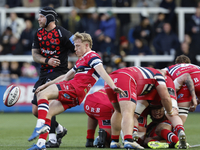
(59, 129)
(128, 138)
(52, 137)
(90, 133)
(41, 142)
(179, 127)
(115, 138)
(43, 108)
(135, 129)
(44, 135)
(169, 136)
(53, 125)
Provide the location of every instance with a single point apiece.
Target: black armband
(46, 60)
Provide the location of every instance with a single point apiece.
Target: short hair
(182, 59)
(85, 37)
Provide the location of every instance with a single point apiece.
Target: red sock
(90, 134)
(128, 137)
(169, 136)
(115, 138)
(43, 108)
(48, 123)
(179, 127)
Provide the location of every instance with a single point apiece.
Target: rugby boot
(132, 145)
(37, 132)
(50, 144)
(182, 140)
(61, 135)
(35, 147)
(157, 145)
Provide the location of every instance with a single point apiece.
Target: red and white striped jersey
(177, 70)
(146, 78)
(86, 76)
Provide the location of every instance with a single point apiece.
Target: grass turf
(15, 129)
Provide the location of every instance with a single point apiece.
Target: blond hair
(85, 37)
(182, 59)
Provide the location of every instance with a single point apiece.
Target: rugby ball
(11, 95)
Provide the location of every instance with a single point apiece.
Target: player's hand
(54, 61)
(40, 88)
(120, 91)
(193, 105)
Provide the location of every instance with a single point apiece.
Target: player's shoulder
(92, 54)
(64, 31)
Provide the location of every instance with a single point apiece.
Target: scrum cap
(49, 13)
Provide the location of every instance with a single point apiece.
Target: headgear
(49, 13)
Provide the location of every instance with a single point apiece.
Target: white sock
(41, 142)
(52, 137)
(40, 122)
(59, 129)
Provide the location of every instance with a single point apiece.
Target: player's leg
(115, 126)
(127, 124)
(178, 125)
(43, 97)
(91, 127)
(140, 107)
(183, 110)
(55, 108)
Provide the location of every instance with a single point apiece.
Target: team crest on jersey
(180, 95)
(66, 96)
(171, 91)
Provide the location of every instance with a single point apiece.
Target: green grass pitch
(15, 128)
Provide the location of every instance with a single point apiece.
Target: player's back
(177, 70)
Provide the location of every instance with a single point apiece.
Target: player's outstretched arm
(101, 71)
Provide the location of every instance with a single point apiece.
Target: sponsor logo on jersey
(180, 95)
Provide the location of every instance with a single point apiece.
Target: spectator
(11, 3)
(28, 70)
(30, 3)
(190, 3)
(143, 31)
(27, 38)
(103, 3)
(167, 42)
(108, 25)
(185, 49)
(17, 24)
(5, 73)
(158, 24)
(124, 46)
(2, 3)
(141, 49)
(84, 4)
(171, 16)
(72, 23)
(124, 19)
(50, 3)
(148, 3)
(193, 29)
(16, 48)
(15, 70)
(5, 41)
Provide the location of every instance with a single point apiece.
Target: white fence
(130, 58)
(132, 10)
